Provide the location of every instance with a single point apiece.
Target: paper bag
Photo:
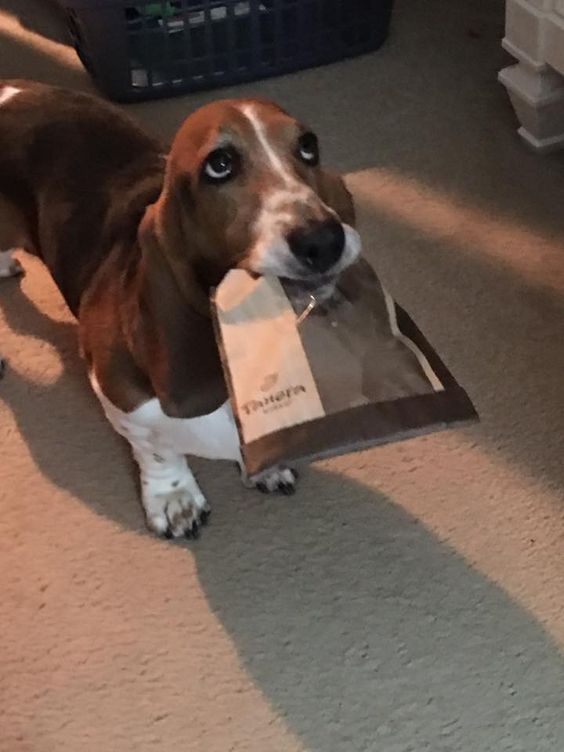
(315, 373)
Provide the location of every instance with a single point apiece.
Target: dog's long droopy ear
(333, 191)
(167, 233)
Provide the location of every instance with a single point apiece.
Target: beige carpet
(409, 598)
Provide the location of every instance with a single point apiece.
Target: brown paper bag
(312, 374)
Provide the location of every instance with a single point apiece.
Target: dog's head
(247, 181)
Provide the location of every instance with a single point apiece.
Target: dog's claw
(205, 516)
(287, 489)
(180, 512)
(192, 532)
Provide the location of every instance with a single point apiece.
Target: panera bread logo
(269, 381)
(272, 400)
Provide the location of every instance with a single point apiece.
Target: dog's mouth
(308, 293)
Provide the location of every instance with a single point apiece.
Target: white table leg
(534, 35)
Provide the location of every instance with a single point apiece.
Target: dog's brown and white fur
(135, 240)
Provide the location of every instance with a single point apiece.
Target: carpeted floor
(409, 598)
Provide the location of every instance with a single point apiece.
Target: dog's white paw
(176, 513)
(9, 266)
(277, 479)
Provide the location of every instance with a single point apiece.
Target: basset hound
(136, 239)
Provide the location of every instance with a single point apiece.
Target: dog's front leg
(173, 502)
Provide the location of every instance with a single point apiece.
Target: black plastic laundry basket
(141, 49)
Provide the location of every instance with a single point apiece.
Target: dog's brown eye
(308, 149)
(220, 165)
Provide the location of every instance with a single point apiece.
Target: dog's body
(135, 240)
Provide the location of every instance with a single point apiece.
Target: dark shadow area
(382, 640)
(65, 420)
(44, 17)
(21, 58)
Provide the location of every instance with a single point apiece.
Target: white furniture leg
(534, 35)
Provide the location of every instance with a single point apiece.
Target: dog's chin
(301, 292)
(301, 282)
(321, 286)
(310, 282)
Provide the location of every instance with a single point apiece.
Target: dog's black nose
(319, 245)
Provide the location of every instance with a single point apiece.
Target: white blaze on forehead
(260, 132)
(270, 251)
(7, 93)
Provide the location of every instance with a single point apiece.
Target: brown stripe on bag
(360, 428)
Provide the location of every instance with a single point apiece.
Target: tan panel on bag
(272, 381)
